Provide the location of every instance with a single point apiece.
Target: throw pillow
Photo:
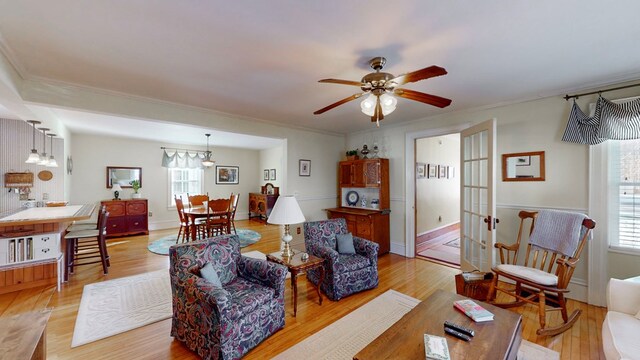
(345, 243)
(211, 275)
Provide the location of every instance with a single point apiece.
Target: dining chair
(197, 200)
(234, 206)
(184, 220)
(218, 217)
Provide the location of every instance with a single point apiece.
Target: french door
(477, 196)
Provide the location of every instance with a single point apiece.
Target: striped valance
(610, 121)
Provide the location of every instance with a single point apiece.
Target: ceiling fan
(381, 86)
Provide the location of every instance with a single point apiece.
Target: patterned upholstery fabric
(227, 322)
(345, 274)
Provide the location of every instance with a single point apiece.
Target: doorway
(437, 198)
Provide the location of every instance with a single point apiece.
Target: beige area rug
(112, 307)
(350, 334)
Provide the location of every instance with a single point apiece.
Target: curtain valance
(610, 121)
(184, 161)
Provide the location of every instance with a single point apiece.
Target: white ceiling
(262, 59)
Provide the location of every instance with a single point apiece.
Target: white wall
(438, 200)
(272, 159)
(92, 154)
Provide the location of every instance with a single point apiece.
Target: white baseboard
(397, 248)
(166, 224)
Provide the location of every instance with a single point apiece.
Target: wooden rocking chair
(543, 283)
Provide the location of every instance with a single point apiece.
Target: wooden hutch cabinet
(364, 199)
(127, 217)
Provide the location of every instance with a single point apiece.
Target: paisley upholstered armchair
(227, 319)
(345, 274)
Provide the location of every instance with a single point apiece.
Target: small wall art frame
(432, 171)
(227, 175)
(304, 167)
(266, 175)
(272, 174)
(421, 170)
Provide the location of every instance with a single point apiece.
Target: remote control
(457, 334)
(462, 329)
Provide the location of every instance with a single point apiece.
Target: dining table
(198, 212)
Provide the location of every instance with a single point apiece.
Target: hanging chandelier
(34, 157)
(52, 161)
(207, 161)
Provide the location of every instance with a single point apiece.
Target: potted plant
(135, 184)
(352, 154)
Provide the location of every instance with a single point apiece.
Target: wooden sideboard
(127, 217)
(368, 224)
(260, 205)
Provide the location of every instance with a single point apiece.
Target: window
(624, 194)
(183, 181)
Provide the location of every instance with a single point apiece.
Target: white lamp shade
(34, 157)
(286, 211)
(116, 187)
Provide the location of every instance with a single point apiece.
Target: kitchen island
(31, 243)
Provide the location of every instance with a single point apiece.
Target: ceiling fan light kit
(382, 87)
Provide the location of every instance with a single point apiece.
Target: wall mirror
(123, 175)
(526, 166)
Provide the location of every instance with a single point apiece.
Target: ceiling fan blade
(422, 97)
(337, 103)
(342, 82)
(426, 73)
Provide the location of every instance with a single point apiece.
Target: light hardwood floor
(129, 256)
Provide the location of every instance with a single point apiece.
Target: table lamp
(116, 191)
(285, 212)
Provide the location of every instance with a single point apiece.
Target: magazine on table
(473, 310)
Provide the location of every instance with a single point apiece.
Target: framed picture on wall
(304, 167)
(266, 174)
(421, 170)
(442, 171)
(227, 174)
(432, 171)
(272, 174)
(451, 172)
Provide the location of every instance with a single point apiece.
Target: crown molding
(138, 98)
(8, 53)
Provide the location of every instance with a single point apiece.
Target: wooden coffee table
(297, 266)
(497, 339)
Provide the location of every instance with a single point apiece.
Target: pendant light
(34, 157)
(207, 161)
(52, 161)
(44, 159)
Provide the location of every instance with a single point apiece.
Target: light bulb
(368, 105)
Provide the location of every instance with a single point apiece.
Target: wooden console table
(24, 336)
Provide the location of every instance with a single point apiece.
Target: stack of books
(473, 310)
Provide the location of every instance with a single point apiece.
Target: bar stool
(87, 244)
(88, 225)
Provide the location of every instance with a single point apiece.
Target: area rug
(162, 245)
(448, 252)
(112, 307)
(350, 334)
